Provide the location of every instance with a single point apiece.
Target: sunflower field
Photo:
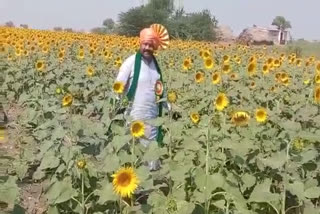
(242, 136)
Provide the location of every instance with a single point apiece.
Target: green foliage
(281, 22)
(132, 21)
(8, 190)
(210, 167)
(196, 26)
(304, 48)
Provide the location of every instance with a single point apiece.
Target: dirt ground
(31, 198)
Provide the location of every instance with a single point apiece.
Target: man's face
(147, 49)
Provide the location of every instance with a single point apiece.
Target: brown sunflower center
(124, 179)
(136, 128)
(260, 114)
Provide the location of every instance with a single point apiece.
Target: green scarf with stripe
(133, 88)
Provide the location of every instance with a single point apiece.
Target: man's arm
(125, 72)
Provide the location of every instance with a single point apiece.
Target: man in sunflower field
(140, 79)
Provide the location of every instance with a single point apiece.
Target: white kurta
(144, 104)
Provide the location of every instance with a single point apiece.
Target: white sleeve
(126, 71)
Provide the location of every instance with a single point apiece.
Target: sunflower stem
(133, 161)
(207, 172)
(283, 202)
(82, 194)
(132, 153)
(170, 145)
(120, 204)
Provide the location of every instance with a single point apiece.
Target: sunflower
(284, 78)
(67, 100)
(298, 144)
(226, 59)
(240, 118)
(199, 77)
(45, 49)
(208, 63)
(92, 52)
(90, 71)
(265, 69)
(125, 182)
(221, 101)
(273, 89)
(317, 78)
(60, 55)
(298, 62)
(252, 59)
(317, 94)
(238, 60)
(216, 78)
(286, 82)
(195, 117)
(118, 87)
(18, 52)
(312, 58)
(58, 90)
(307, 63)
(206, 54)
(306, 81)
(81, 164)
(252, 68)
(40, 65)
(117, 64)
(252, 84)
(80, 54)
(226, 68)
(2, 134)
(186, 64)
(201, 53)
(10, 57)
(261, 115)
(318, 67)
(172, 96)
(137, 129)
(2, 49)
(32, 48)
(26, 53)
(276, 63)
(233, 76)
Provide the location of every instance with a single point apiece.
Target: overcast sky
(238, 14)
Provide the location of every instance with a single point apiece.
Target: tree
(195, 26)
(165, 5)
(281, 23)
(198, 26)
(25, 26)
(135, 19)
(98, 30)
(109, 24)
(132, 21)
(58, 29)
(68, 29)
(9, 24)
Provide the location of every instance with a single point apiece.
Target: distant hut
(263, 36)
(225, 34)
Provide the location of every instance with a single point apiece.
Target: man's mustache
(148, 51)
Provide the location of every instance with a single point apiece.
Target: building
(264, 35)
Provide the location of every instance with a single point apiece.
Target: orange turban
(149, 34)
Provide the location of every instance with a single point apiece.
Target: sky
(238, 14)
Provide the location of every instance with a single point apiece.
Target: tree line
(181, 25)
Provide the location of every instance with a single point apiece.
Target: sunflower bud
(81, 164)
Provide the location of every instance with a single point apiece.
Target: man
(142, 78)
